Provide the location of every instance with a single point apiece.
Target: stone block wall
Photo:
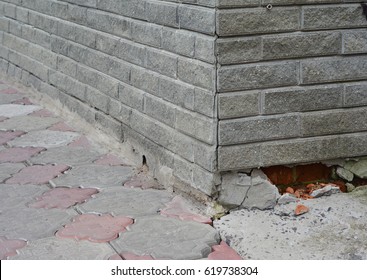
(201, 86)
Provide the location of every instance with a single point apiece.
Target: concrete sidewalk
(64, 197)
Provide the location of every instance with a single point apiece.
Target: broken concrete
(359, 167)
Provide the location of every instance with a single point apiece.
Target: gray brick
(59, 10)
(78, 14)
(239, 104)
(257, 76)
(131, 8)
(183, 170)
(119, 111)
(109, 23)
(333, 17)
(119, 70)
(197, 19)
(110, 126)
(97, 80)
(9, 10)
(333, 122)
(334, 69)
(96, 99)
(205, 102)
(238, 3)
(355, 42)
(204, 181)
(162, 13)
(355, 94)
(205, 156)
(131, 97)
(4, 24)
(82, 109)
(77, 33)
(257, 20)
(176, 92)
(4, 52)
(238, 157)
(301, 45)
(66, 66)
(124, 49)
(146, 33)
(205, 48)
(22, 14)
(43, 22)
(160, 110)
(195, 125)
(255, 129)
(88, 3)
(67, 84)
(237, 50)
(145, 80)
(59, 45)
(36, 36)
(178, 41)
(162, 62)
(196, 73)
(15, 28)
(298, 99)
(30, 65)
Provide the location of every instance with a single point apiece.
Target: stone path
(62, 198)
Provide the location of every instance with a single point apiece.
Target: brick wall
(201, 86)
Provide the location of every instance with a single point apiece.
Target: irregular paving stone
(45, 139)
(127, 202)
(54, 248)
(95, 176)
(167, 238)
(109, 159)
(61, 126)
(129, 256)
(37, 174)
(142, 181)
(6, 136)
(66, 155)
(13, 110)
(63, 198)
(30, 223)
(223, 252)
(80, 142)
(9, 98)
(42, 113)
(18, 154)
(358, 168)
(327, 190)
(12, 196)
(23, 101)
(95, 228)
(28, 123)
(177, 208)
(334, 229)
(9, 247)
(8, 169)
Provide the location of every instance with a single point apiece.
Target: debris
(358, 168)
(350, 187)
(345, 174)
(327, 190)
(287, 198)
(301, 209)
(289, 190)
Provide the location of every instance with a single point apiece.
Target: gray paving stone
(167, 238)
(45, 139)
(8, 98)
(54, 248)
(127, 202)
(28, 123)
(8, 169)
(97, 176)
(13, 195)
(71, 156)
(334, 228)
(13, 110)
(31, 224)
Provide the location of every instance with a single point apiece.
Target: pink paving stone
(63, 198)
(81, 142)
(95, 228)
(23, 101)
(61, 126)
(130, 256)
(223, 252)
(15, 155)
(9, 247)
(9, 91)
(179, 210)
(42, 113)
(109, 159)
(6, 136)
(37, 174)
